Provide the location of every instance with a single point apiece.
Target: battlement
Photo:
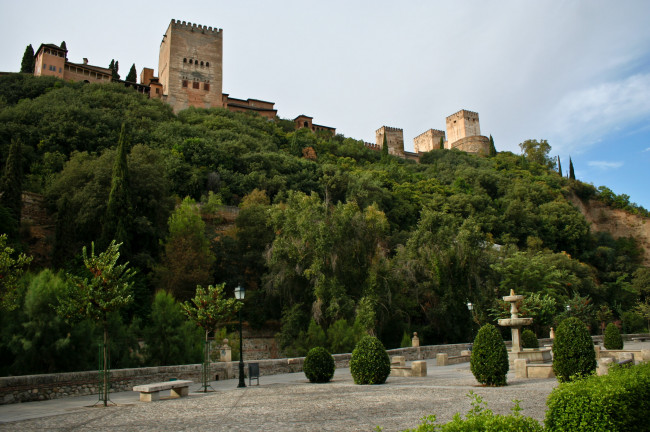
(389, 129)
(182, 25)
(372, 146)
(462, 113)
(435, 132)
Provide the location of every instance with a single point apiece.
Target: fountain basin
(515, 322)
(513, 298)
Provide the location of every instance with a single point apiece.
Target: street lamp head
(470, 306)
(240, 292)
(568, 308)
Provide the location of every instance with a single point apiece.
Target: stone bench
(151, 392)
(398, 368)
(640, 339)
(444, 359)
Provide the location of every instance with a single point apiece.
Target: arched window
(201, 62)
(207, 64)
(185, 60)
(306, 124)
(190, 61)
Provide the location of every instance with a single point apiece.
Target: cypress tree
(493, 149)
(118, 210)
(559, 166)
(384, 147)
(12, 181)
(442, 143)
(132, 76)
(27, 65)
(572, 174)
(63, 46)
(114, 67)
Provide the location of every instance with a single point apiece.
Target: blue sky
(576, 73)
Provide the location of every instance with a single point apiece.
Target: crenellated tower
(190, 66)
(394, 140)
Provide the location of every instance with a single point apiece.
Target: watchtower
(394, 140)
(429, 140)
(190, 67)
(462, 124)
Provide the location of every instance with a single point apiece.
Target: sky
(576, 73)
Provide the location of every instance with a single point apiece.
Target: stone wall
(479, 145)
(394, 140)
(462, 124)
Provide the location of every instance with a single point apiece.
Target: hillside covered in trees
(353, 242)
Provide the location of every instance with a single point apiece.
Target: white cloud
(605, 165)
(583, 116)
(646, 150)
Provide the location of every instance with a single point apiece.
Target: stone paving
(286, 402)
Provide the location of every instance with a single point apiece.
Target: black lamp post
(470, 307)
(239, 295)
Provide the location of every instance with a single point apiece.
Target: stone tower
(462, 124)
(190, 66)
(429, 140)
(394, 139)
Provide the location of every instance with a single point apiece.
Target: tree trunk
(105, 395)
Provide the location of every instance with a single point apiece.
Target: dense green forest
(354, 242)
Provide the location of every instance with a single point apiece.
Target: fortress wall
(394, 140)
(479, 145)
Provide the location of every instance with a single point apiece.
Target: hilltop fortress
(190, 74)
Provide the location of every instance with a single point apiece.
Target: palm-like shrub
(319, 365)
(489, 361)
(369, 363)
(573, 351)
(613, 339)
(528, 339)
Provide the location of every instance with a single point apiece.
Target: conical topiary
(489, 361)
(369, 363)
(613, 339)
(573, 351)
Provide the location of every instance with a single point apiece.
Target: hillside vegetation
(351, 243)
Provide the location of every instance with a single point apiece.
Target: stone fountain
(515, 323)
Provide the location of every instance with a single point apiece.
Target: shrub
(369, 363)
(528, 339)
(633, 322)
(479, 418)
(573, 351)
(489, 361)
(319, 365)
(613, 339)
(619, 401)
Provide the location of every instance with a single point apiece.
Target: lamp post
(239, 295)
(470, 307)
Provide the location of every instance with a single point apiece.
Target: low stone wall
(52, 386)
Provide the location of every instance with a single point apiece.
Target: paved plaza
(285, 402)
(288, 402)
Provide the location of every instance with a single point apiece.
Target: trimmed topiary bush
(369, 363)
(573, 351)
(618, 401)
(319, 365)
(489, 361)
(612, 339)
(528, 339)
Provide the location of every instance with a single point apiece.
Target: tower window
(184, 83)
(185, 60)
(207, 64)
(195, 85)
(190, 61)
(201, 63)
(206, 86)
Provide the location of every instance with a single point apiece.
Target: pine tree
(493, 149)
(442, 143)
(118, 210)
(27, 65)
(132, 76)
(559, 166)
(12, 181)
(572, 174)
